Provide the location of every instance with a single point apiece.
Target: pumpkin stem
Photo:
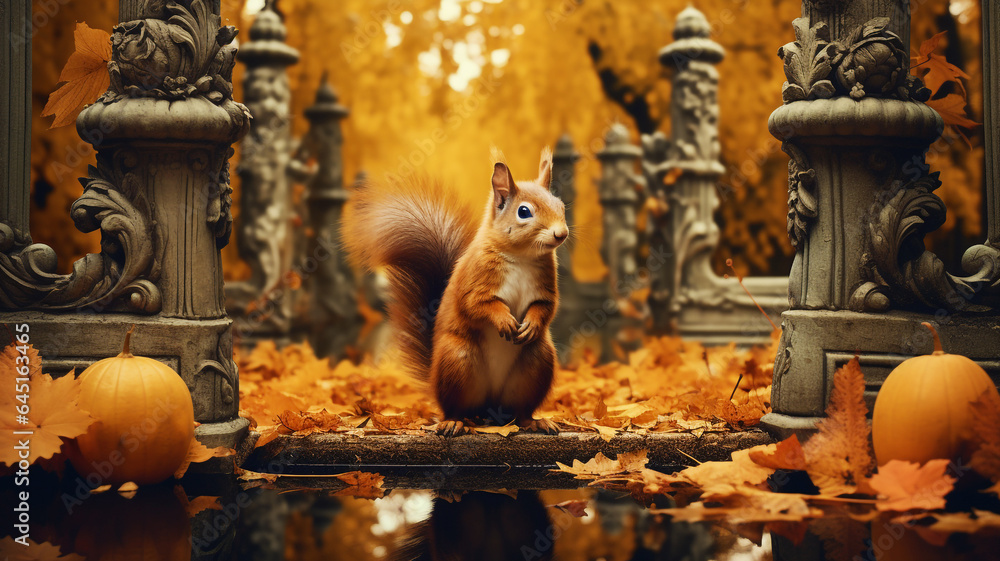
(938, 350)
(126, 353)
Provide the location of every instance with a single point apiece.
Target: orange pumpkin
(145, 420)
(922, 411)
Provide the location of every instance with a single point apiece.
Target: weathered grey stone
(335, 321)
(686, 295)
(860, 202)
(290, 453)
(264, 235)
(15, 123)
(160, 197)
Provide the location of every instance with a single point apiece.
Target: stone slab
(324, 454)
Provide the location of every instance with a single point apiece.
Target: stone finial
(692, 41)
(617, 145)
(327, 105)
(268, 25)
(565, 150)
(267, 46)
(691, 23)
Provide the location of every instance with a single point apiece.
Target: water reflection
(217, 519)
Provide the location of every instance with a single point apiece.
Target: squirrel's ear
(503, 185)
(545, 168)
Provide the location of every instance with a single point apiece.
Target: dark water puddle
(220, 518)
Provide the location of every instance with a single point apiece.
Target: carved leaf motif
(802, 205)
(188, 54)
(808, 62)
(125, 267)
(917, 277)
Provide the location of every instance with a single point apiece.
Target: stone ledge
(321, 454)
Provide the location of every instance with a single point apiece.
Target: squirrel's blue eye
(524, 212)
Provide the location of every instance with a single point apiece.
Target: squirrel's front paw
(508, 328)
(528, 332)
(452, 428)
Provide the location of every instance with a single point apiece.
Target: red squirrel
(472, 305)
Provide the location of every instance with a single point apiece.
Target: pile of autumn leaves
(838, 462)
(669, 385)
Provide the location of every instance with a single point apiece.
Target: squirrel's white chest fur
(519, 290)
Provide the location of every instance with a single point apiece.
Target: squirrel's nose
(560, 234)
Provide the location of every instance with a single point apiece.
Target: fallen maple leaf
(9, 363)
(906, 486)
(503, 430)
(247, 475)
(602, 466)
(198, 452)
(362, 484)
(786, 454)
(86, 76)
(747, 505)
(838, 456)
(577, 508)
(741, 470)
(53, 414)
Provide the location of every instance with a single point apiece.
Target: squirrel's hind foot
(543, 426)
(452, 428)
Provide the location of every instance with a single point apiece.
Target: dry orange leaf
(504, 430)
(906, 486)
(786, 454)
(952, 110)
(247, 475)
(938, 70)
(741, 470)
(52, 412)
(85, 75)
(838, 457)
(362, 484)
(602, 466)
(198, 452)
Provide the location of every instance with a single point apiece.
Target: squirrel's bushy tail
(416, 230)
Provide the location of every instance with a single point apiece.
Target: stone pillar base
(191, 347)
(784, 426)
(815, 343)
(235, 434)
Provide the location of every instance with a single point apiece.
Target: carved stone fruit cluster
(870, 61)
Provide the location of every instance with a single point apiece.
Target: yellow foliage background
(398, 65)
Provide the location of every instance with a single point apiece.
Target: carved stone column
(160, 197)
(563, 186)
(622, 192)
(336, 319)
(264, 236)
(860, 200)
(686, 294)
(15, 122)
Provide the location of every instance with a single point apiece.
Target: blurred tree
(432, 84)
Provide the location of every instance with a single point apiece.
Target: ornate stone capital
(870, 61)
